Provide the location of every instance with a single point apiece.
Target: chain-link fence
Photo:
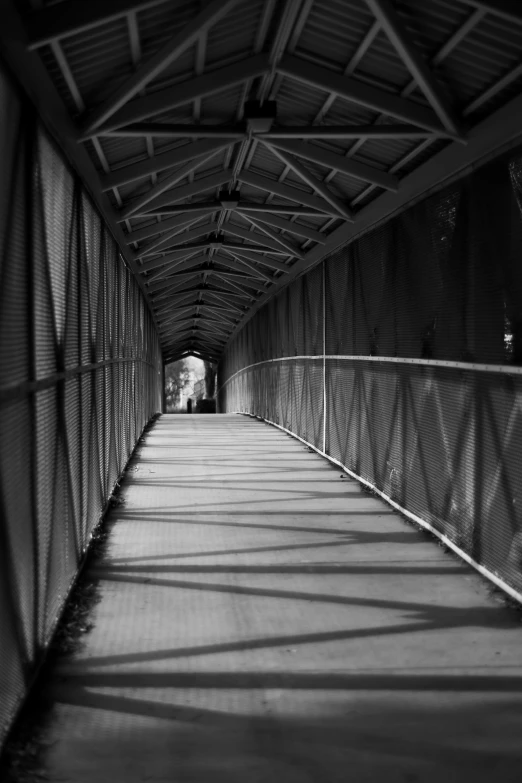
(80, 374)
(400, 357)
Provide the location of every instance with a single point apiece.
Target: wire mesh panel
(80, 376)
(415, 361)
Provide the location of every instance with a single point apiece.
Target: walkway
(264, 620)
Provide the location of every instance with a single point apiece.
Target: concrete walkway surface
(264, 621)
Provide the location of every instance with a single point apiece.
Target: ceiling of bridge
(234, 138)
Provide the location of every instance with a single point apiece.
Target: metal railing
(399, 358)
(80, 375)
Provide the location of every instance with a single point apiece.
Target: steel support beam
(179, 239)
(337, 162)
(177, 287)
(151, 68)
(240, 301)
(163, 242)
(248, 279)
(176, 255)
(252, 248)
(224, 300)
(218, 314)
(179, 131)
(172, 239)
(260, 259)
(286, 191)
(342, 210)
(172, 320)
(245, 288)
(178, 266)
(510, 10)
(225, 288)
(175, 301)
(165, 160)
(360, 93)
(61, 20)
(240, 265)
(220, 332)
(163, 272)
(139, 203)
(182, 220)
(178, 315)
(278, 238)
(210, 182)
(198, 87)
(392, 25)
(285, 225)
(347, 132)
(261, 239)
(27, 67)
(252, 206)
(498, 133)
(161, 285)
(283, 209)
(178, 209)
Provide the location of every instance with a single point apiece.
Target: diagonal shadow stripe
(444, 615)
(364, 733)
(358, 681)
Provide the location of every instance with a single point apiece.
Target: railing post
(324, 356)
(163, 390)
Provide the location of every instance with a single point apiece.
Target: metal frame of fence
(399, 359)
(81, 376)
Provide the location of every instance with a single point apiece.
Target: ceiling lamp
(260, 116)
(216, 243)
(229, 199)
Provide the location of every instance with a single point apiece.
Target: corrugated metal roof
(265, 161)
(298, 100)
(97, 64)
(480, 68)
(382, 62)
(236, 32)
(333, 31)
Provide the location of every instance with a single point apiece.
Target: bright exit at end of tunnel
(190, 386)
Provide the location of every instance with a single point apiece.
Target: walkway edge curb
(489, 575)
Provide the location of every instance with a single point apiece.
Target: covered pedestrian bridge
(324, 198)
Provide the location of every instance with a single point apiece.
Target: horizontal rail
(501, 369)
(17, 391)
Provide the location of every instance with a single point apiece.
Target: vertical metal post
(27, 160)
(163, 389)
(324, 356)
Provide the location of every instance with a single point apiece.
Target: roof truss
(203, 259)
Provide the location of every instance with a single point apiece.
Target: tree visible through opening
(190, 383)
